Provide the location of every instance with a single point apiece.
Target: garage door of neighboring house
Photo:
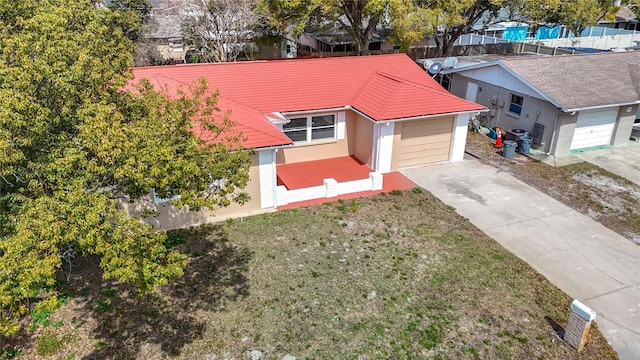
(424, 141)
(594, 128)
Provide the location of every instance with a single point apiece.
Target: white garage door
(594, 128)
(424, 141)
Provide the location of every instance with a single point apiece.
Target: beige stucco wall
(170, 217)
(397, 132)
(624, 125)
(324, 149)
(362, 136)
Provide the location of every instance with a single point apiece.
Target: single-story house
(565, 102)
(325, 127)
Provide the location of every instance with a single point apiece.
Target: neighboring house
(565, 102)
(625, 19)
(337, 40)
(325, 127)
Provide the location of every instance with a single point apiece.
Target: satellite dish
(450, 62)
(435, 68)
(427, 63)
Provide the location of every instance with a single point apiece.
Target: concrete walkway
(580, 256)
(623, 161)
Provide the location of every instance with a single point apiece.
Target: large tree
(450, 19)
(220, 30)
(359, 18)
(74, 143)
(576, 15)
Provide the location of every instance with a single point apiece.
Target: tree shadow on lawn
(127, 325)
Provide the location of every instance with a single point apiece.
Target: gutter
(314, 111)
(599, 106)
(276, 147)
(415, 117)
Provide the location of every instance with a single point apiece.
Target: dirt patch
(611, 200)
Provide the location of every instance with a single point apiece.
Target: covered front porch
(310, 182)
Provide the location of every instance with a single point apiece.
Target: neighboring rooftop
(381, 87)
(577, 81)
(582, 81)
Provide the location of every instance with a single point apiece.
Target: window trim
(512, 103)
(309, 127)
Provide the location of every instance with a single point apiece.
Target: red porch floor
(390, 181)
(312, 173)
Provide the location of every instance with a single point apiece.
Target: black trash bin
(524, 144)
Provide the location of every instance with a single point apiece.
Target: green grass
(395, 276)
(48, 344)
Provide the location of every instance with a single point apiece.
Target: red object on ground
(498, 137)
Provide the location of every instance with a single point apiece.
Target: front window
(515, 107)
(310, 128)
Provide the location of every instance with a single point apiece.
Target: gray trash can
(509, 148)
(524, 144)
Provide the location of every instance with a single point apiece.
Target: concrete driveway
(623, 161)
(583, 258)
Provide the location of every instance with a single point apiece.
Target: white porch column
(267, 171)
(384, 146)
(459, 138)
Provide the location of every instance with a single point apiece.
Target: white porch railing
(330, 188)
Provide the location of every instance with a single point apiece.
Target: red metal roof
(386, 97)
(253, 89)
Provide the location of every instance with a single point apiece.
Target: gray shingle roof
(582, 81)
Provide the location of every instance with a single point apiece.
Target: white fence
(597, 42)
(475, 39)
(330, 188)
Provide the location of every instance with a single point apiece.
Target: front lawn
(392, 276)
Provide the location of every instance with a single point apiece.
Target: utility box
(577, 330)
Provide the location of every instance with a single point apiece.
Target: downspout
(553, 135)
(377, 159)
(275, 179)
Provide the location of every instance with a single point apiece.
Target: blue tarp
(516, 33)
(547, 33)
(585, 50)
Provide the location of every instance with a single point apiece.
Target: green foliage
(10, 353)
(41, 312)
(634, 5)
(576, 15)
(48, 344)
(73, 145)
(136, 9)
(359, 18)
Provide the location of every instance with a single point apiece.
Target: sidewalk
(580, 256)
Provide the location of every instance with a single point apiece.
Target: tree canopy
(359, 18)
(576, 15)
(74, 143)
(443, 20)
(220, 30)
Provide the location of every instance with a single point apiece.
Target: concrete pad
(577, 254)
(621, 307)
(623, 161)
